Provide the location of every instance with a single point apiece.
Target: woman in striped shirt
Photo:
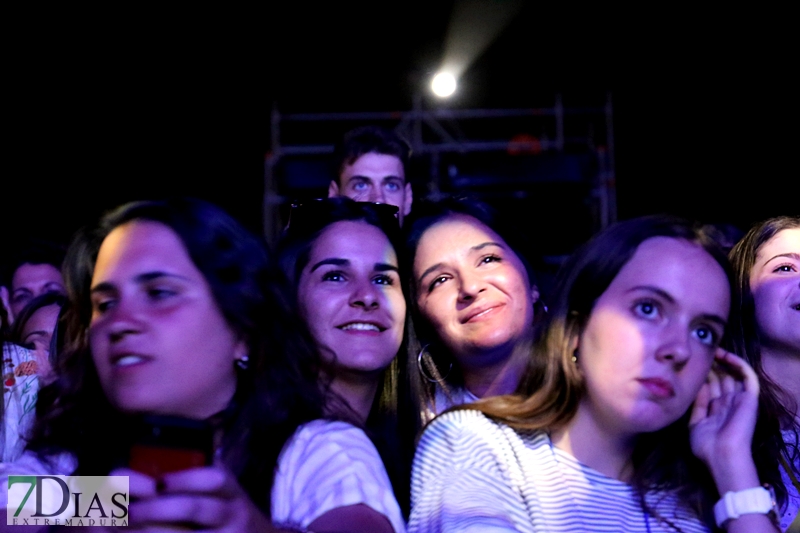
(340, 260)
(602, 435)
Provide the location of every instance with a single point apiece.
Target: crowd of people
(392, 366)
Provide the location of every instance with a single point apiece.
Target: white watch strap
(757, 500)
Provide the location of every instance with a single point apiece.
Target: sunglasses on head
(315, 214)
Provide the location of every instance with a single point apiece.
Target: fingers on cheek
(728, 384)
(714, 386)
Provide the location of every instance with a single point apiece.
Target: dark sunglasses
(316, 214)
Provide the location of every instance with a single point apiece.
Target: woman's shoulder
(326, 465)
(465, 422)
(329, 434)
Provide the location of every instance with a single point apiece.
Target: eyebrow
(667, 296)
(331, 261)
(477, 247)
(367, 178)
(790, 255)
(383, 267)
(107, 286)
(39, 332)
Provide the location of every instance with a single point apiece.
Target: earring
(421, 366)
(243, 363)
(575, 356)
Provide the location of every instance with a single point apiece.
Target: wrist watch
(758, 500)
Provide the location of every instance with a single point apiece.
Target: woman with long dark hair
(473, 301)
(601, 434)
(173, 313)
(766, 332)
(339, 258)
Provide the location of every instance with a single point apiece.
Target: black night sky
(110, 106)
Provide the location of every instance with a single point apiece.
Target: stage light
(443, 84)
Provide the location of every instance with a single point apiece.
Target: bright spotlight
(443, 84)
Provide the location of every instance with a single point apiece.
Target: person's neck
(500, 378)
(358, 392)
(783, 368)
(594, 446)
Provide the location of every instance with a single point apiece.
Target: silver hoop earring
(243, 363)
(426, 375)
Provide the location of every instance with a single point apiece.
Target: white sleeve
(326, 465)
(460, 480)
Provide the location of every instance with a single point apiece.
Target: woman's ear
(241, 350)
(535, 294)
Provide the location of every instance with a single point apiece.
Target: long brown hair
(549, 394)
(777, 409)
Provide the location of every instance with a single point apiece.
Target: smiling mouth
(362, 326)
(128, 360)
(481, 314)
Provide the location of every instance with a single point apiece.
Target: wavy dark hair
(549, 394)
(391, 424)
(777, 409)
(423, 339)
(273, 396)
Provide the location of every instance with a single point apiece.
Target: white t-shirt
(326, 465)
(475, 475)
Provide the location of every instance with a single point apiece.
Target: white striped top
(475, 475)
(326, 465)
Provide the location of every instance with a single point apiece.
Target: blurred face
(29, 281)
(350, 296)
(375, 178)
(38, 330)
(650, 341)
(159, 342)
(473, 289)
(775, 284)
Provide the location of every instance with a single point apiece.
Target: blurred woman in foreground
(173, 314)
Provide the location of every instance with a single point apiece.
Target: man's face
(375, 178)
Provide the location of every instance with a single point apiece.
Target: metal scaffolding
(438, 133)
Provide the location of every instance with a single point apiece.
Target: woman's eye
(102, 306)
(333, 275)
(436, 282)
(490, 259)
(160, 293)
(383, 280)
(706, 335)
(646, 309)
(785, 268)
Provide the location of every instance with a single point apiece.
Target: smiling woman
(602, 435)
(473, 305)
(340, 258)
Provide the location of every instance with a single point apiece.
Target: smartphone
(166, 444)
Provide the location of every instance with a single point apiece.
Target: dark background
(108, 105)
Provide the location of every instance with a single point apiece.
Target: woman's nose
(122, 319)
(470, 285)
(675, 346)
(366, 295)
